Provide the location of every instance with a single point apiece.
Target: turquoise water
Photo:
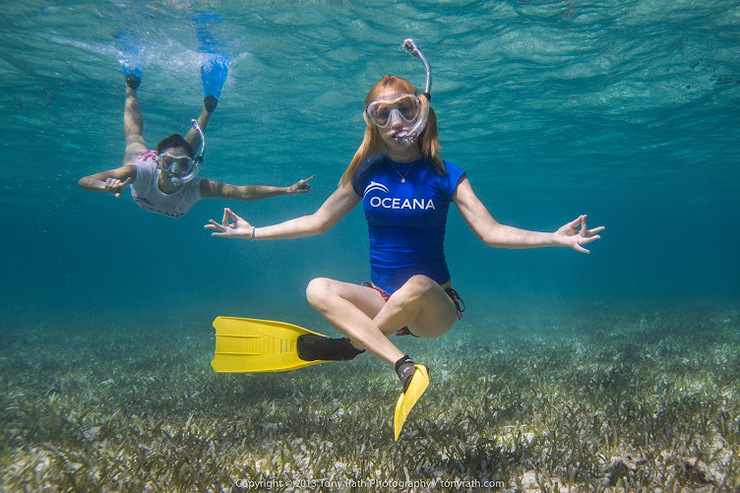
(624, 110)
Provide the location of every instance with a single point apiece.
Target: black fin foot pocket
(210, 102)
(133, 81)
(405, 368)
(312, 347)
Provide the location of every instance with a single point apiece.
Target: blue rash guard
(406, 221)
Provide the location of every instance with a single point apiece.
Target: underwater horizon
(627, 111)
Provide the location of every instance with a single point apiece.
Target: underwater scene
(615, 370)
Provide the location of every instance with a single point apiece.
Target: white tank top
(147, 194)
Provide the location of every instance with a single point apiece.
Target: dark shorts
(404, 331)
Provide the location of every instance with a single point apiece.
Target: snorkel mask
(181, 168)
(406, 106)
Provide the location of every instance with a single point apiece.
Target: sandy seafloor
(595, 397)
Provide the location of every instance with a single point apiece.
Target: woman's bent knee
(417, 286)
(317, 290)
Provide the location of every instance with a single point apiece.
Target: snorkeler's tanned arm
(215, 189)
(495, 234)
(111, 181)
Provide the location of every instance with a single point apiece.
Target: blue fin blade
(130, 53)
(213, 71)
(214, 66)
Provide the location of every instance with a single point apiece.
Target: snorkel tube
(408, 138)
(177, 181)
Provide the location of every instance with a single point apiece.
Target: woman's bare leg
(350, 308)
(133, 127)
(420, 304)
(360, 313)
(193, 137)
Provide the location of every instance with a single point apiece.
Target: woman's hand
(570, 235)
(114, 186)
(301, 186)
(231, 226)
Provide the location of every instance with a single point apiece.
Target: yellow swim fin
(247, 345)
(407, 400)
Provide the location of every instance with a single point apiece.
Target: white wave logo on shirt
(394, 203)
(375, 186)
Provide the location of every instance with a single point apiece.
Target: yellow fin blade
(407, 400)
(248, 345)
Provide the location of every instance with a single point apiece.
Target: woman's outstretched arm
(574, 234)
(338, 205)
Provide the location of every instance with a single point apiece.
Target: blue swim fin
(214, 65)
(130, 57)
(213, 71)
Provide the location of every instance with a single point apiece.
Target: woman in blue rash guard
(405, 188)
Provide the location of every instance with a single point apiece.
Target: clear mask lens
(381, 111)
(176, 164)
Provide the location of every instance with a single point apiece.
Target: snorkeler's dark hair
(175, 141)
